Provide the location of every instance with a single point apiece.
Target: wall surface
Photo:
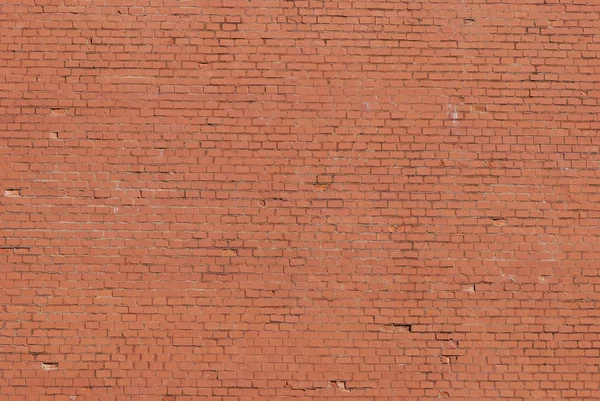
(242, 200)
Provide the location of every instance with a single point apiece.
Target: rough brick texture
(243, 200)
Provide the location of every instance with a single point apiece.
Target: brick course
(241, 200)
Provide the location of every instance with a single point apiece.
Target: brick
(299, 200)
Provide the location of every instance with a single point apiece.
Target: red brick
(299, 200)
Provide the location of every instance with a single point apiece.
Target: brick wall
(243, 200)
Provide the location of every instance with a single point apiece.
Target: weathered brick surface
(243, 200)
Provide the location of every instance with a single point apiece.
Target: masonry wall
(243, 200)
